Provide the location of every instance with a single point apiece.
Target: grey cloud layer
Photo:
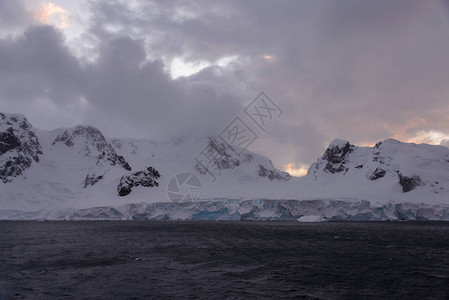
(362, 70)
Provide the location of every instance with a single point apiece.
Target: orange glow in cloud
(433, 137)
(429, 137)
(294, 170)
(402, 132)
(50, 13)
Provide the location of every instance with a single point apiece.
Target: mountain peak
(19, 146)
(88, 134)
(392, 141)
(4, 115)
(389, 163)
(221, 156)
(340, 143)
(335, 156)
(14, 121)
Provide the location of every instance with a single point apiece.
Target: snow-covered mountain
(78, 167)
(390, 167)
(77, 173)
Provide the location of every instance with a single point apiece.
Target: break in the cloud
(50, 13)
(356, 69)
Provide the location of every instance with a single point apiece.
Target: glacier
(255, 209)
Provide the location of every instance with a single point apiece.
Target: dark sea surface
(223, 260)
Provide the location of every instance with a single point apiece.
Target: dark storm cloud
(36, 65)
(357, 69)
(123, 84)
(125, 94)
(202, 30)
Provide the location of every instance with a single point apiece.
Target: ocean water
(223, 260)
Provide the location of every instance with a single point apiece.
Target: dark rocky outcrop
(93, 138)
(273, 174)
(146, 178)
(8, 141)
(115, 159)
(19, 146)
(336, 153)
(378, 173)
(218, 156)
(409, 183)
(92, 179)
(94, 143)
(336, 156)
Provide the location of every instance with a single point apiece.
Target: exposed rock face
(92, 143)
(336, 156)
(337, 152)
(93, 139)
(409, 183)
(378, 173)
(89, 141)
(19, 146)
(146, 178)
(92, 179)
(273, 174)
(334, 159)
(218, 156)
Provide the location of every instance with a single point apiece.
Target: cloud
(36, 65)
(50, 13)
(445, 143)
(295, 170)
(353, 69)
(13, 14)
(122, 92)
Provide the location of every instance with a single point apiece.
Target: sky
(359, 70)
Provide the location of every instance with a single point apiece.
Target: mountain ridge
(80, 168)
(89, 164)
(387, 159)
